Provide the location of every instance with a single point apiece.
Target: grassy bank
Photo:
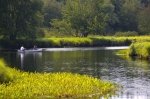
(139, 50)
(74, 42)
(25, 85)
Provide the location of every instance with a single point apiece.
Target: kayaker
(34, 47)
(22, 48)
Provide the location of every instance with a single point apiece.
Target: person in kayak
(35, 47)
(22, 48)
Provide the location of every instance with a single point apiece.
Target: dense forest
(32, 18)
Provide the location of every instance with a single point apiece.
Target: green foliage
(55, 85)
(102, 17)
(20, 18)
(76, 42)
(125, 12)
(77, 13)
(109, 41)
(73, 41)
(86, 16)
(67, 42)
(132, 51)
(47, 33)
(129, 33)
(62, 27)
(144, 21)
(122, 52)
(51, 10)
(5, 73)
(85, 42)
(139, 38)
(140, 49)
(40, 32)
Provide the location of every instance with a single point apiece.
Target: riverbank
(91, 41)
(140, 50)
(20, 85)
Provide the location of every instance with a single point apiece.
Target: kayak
(30, 50)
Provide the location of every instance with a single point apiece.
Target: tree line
(25, 18)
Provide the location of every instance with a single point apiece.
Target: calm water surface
(133, 75)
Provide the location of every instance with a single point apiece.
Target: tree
(103, 17)
(62, 27)
(126, 12)
(51, 10)
(19, 18)
(144, 20)
(88, 15)
(78, 13)
(129, 13)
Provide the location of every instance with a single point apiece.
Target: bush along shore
(139, 50)
(15, 84)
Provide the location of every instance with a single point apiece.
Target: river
(132, 75)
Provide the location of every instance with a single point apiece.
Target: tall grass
(90, 41)
(140, 49)
(54, 85)
(85, 42)
(75, 41)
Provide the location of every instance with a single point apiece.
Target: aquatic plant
(140, 49)
(55, 85)
(122, 52)
(5, 73)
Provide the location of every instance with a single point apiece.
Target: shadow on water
(133, 75)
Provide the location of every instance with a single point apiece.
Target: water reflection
(21, 59)
(86, 48)
(133, 75)
(29, 61)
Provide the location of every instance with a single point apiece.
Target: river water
(133, 75)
